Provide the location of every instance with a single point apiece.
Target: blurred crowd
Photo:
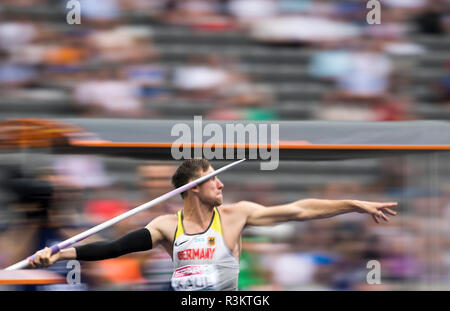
(46, 204)
(112, 65)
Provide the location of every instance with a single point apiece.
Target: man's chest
(231, 229)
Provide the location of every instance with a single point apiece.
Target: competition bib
(195, 277)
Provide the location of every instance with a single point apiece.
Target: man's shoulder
(165, 220)
(240, 207)
(167, 217)
(228, 208)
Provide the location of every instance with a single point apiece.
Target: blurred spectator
(367, 77)
(443, 86)
(393, 32)
(65, 55)
(157, 270)
(15, 33)
(151, 79)
(225, 112)
(249, 11)
(155, 180)
(330, 62)
(155, 8)
(24, 3)
(122, 44)
(116, 273)
(296, 270)
(342, 111)
(198, 14)
(399, 260)
(108, 95)
(295, 7)
(252, 274)
(13, 74)
(32, 196)
(242, 91)
(82, 171)
(101, 208)
(101, 12)
(41, 205)
(393, 109)
(211, 78)
(431, 18)
(203, 76)
(389, 108)
(302, 29)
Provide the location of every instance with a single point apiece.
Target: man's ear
(195, 189)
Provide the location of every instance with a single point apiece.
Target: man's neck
(197, 212)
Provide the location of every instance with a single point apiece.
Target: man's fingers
(389, 211)
(41, 258)
(47, 254)
(390, 204)
(382, 215)
(37, 258)
(385, 207)
(375, 218)
(378, 210)
(31, 263)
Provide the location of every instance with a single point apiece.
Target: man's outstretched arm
(136, 241)
(307, 209)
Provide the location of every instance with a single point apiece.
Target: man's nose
(219, 184)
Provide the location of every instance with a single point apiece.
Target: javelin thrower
(204, 238)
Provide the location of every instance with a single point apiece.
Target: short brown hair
(188, 170)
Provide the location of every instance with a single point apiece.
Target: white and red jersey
(202, 261)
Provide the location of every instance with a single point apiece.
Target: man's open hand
(376, 209)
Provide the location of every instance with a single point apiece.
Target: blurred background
(230, 60)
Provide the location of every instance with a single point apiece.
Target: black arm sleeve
(135, 241)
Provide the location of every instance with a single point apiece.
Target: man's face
(210, 192)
